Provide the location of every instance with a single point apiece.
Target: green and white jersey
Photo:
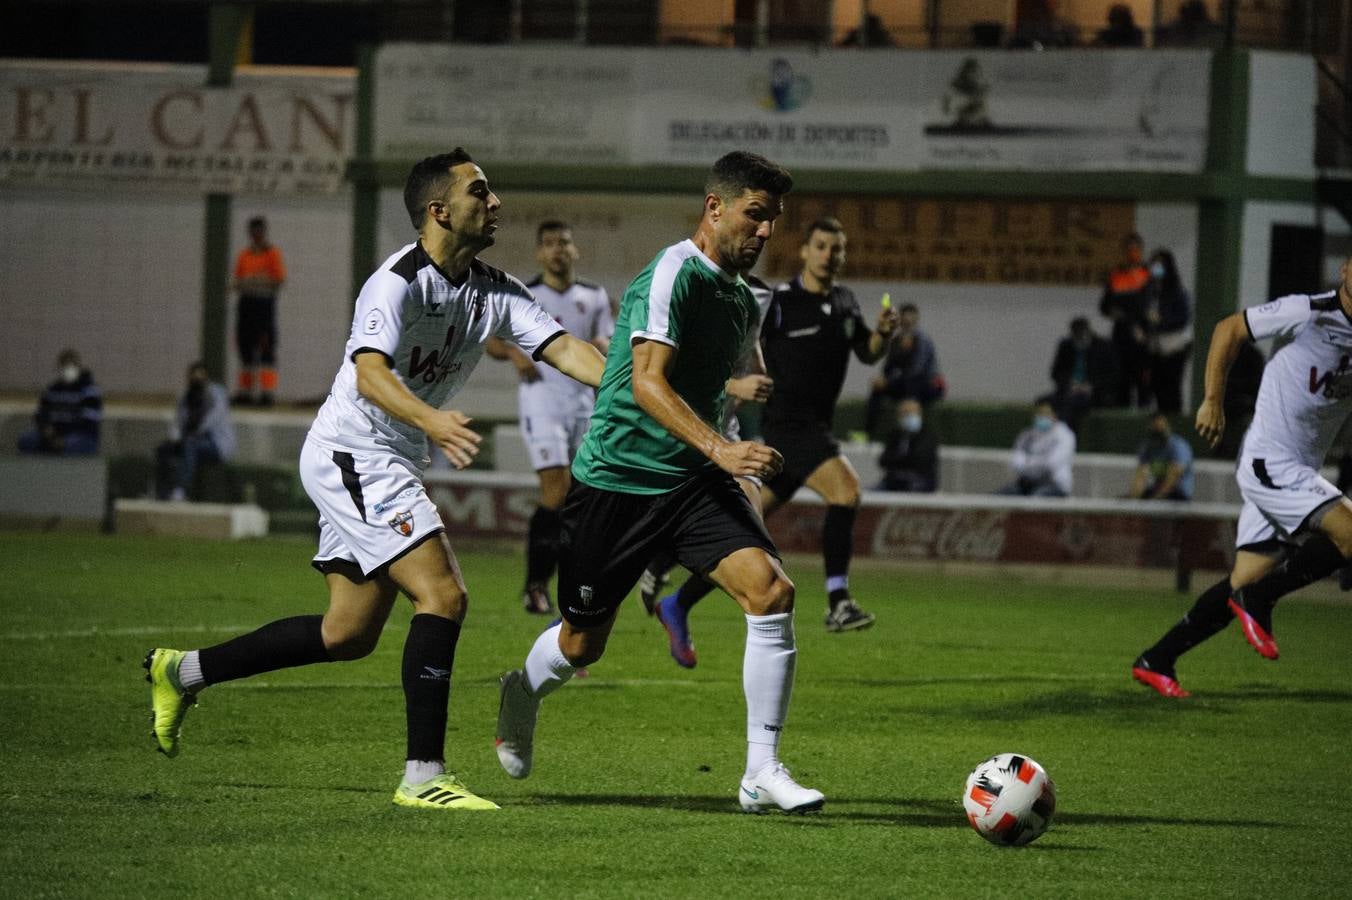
(682, 299)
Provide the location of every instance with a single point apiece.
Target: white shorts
(552, 440)
(372, 506)
(1280, 497)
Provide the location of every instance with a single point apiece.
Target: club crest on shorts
(402, 523)
(584, 593)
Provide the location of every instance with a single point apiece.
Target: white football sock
(416, 771)
(190, 672)
(837, 583)
(767, 681)
(546, 669)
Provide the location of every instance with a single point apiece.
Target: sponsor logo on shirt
(374, 323)
(1335, 383)
(433, 366)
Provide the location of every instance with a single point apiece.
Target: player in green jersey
(654, 472)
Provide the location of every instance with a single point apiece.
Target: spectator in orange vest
(259, 274)
(1126, 300)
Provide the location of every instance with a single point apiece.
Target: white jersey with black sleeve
(1306, 392)
(583, 309)
(431, 330)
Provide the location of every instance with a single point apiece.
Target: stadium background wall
(133, 301)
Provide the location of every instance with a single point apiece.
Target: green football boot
(169, 703)
(445, 791)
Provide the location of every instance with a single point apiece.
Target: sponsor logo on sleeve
(374, 323)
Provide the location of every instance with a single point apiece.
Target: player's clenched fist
(450, 431)
(748, 458)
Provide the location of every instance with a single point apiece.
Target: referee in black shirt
(810, 330)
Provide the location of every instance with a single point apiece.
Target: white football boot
(517, 710)
(773, 787)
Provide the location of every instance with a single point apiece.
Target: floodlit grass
(283, 787)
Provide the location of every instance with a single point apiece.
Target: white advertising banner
(506, 104)
(1090, 110)
(158, 127)
(902, 111)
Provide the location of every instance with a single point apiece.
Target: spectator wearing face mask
(69, 412)
(1041, 464)
(910, 457)
(1169, 315)
(1085, 373)
(910, 370)
(1164, 464)
(202, 432)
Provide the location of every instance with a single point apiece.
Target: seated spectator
(1122, 30)
(1040, 28)
(1041, 464)
(202, 432)
(69, 412)
(910, 457)
(910, 371)
(1164, 464)
(1169, 317)
(874, 34)
(1084, 371)
(1192, 28)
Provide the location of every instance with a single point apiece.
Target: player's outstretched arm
(446, 428)
(576, 358)
(1228, 336)
(654, 393)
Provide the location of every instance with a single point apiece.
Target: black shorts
(256, 331)
(804, 446)
(608, 538)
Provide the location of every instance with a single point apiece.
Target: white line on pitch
(129, 631)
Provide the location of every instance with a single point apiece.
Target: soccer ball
(1009, 800)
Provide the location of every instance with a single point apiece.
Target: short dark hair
(909, 307)
(428, 180)
(1046, 400)
(1132, 238)
(257, 222)
(739, 171)
(829, 224)
(550, 225)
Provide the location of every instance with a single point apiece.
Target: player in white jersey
(420, 325)
(554, 408)
(1295, 527)
(749, 384)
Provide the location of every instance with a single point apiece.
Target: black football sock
(1316, 559)
(695, 589)
(1208, 616)
(429, 655)
(661, 563)
(837, 547)
(283, 644)
(542, 545)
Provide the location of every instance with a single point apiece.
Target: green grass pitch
(283, 787)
